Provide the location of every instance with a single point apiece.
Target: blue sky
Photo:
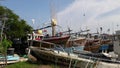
(76, 14)
(98, 13)
(40, 10)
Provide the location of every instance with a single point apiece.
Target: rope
(87, 63)
(70, 63)
(56, 60)
(92, 65)
(75, 64)
(118, 65)
(97, 63)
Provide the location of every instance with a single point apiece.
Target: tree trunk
(5, 59)
(5, 55)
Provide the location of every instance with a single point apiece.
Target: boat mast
(53, 23)
(53, 18)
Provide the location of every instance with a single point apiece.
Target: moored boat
(10, 59)
(56, 38)
(70, 60)
(61, 40)
(92, 45)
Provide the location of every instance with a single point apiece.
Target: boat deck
(100, 63)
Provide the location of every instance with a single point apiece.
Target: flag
(33, 21)
(108, 30)
(84, 14)
(101, 28)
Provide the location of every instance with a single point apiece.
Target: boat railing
(41, 41)
(58, 51)
(62, 52)
(65, 53)
(55, 45)
(100, 59)
(59, 46)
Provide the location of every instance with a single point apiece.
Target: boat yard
(79, 34)
(72, 60)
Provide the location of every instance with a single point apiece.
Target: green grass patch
(30, 65)
(23, 65)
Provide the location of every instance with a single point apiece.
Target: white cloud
(94, 10)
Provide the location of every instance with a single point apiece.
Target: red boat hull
(55, 40)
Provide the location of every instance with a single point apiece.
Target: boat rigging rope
(97, 62)
(56, 60)
(70, 62)
(88, 62)
(75, 63)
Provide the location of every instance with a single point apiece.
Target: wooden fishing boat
(58, 57)
(56, 38)
(106, 45)
(75, 42)
(98, 45)
(69, 60)
(92, 45)
(62, 40)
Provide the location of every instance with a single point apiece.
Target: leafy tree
(3, 48)
(14, 26)
(4, 43)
